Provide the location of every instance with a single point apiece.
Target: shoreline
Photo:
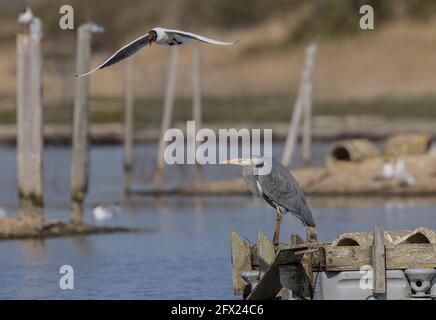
(13, 228)
(325, 128)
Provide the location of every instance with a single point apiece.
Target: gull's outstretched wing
(125, 52)
(190, 35)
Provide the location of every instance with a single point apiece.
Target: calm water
(183, 251)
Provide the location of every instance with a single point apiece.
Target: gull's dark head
(152, 37)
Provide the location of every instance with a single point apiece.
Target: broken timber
(292, 266)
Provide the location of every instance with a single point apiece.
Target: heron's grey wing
(190, 35)
(281, 187)
(123, 53)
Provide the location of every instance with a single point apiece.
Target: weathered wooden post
(307, 125)
(299, 106)
(79, 161)
(128, 123)
(29, 120)
(167, 115)
(379, 263)
(196, 100)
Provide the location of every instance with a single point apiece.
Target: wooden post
(311, 235)
(266, 253)
(128, 123)
(307, 125)
(379, 262)
(29, 126)
(296, 240)
(241, 261)
(79, 161)
(196, 100)
(167, 115)
(300, 104)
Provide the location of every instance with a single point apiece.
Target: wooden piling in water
(303, 103)
(29, 126)
(129, 94)
(196, 101)
(80, 161)
(167, 116)
(307, 125)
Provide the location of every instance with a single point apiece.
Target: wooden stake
(307, 125)
(128, 123)
(299, 106)
(167, 115)
(196, 100)
(241, 261)
(379, 261)
(311, 235)
(266, 252)
(79, 161)
(29, 128)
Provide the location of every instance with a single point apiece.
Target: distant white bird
(161, 36)
(387, 172)
(402, 175)
(101, 213)
(26, 17)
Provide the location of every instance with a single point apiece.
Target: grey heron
(158, 35)
(270, 180)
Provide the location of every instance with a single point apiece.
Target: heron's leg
(276, 236)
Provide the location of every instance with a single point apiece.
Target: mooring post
(196, 100)
(29, 121)
(307, 125)
(299, 106)
(129, 91)
(167, 115)
(80, 161)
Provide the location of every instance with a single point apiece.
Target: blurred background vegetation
(387, 71)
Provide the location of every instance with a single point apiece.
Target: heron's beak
(237, 161)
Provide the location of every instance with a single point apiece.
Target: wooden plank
(241, 261)
(167, 115)
(401, 256)
(266, 252)
(378, 261)
(79, 156)
(293, 277)
(29, 128)
(129, 96)
(298, 107)
(269, 285)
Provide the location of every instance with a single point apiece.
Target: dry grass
(395, 61)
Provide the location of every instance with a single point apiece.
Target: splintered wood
(287, 270)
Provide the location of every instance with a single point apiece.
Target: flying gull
(161, 36)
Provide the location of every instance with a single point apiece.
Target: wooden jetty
(291, 270)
